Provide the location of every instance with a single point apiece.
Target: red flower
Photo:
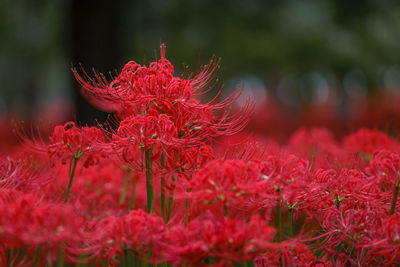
(224, 239)
(137, 231)
(69, 141)
(20, 175)
(288, 254)
(29, 221)
(367, 141)
(139, 88)
(317, 145)
(384, 166)
(231, 182)
(145, 131)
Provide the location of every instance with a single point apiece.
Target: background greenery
(294, 49)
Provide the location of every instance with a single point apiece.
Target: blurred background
(332, 63)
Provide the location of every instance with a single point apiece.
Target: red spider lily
(139, 88)
(96, 189)
(230, 182)
(278, 173)
(289, 254)
(283, 170)
(137, 232)
(317, 145)
(29, 221)
(392, 230)
(366, 142)
(355, 227)
(138, 85)
(246, 147)
(142, 132)
(69, 141)
(386, 163)
(347, 233)
(187, 161)
(386, 248)
(385, 167)
(225, 239)
(20, 175)
(329, 188)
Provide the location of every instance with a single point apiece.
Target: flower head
(138, 89)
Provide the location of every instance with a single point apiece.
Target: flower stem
(82, 261)
(133, 189)
(278, 220)
(278, 215)
(38, 254)
(60, 258)
(163, 197)
(170, 199)
(226, 210)
(149, 181)
(162, 191)
(10, 257)
(290, 214)
(71, 177)
(394, 200)
(187, 203)
(125, 187)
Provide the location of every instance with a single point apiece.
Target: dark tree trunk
(93, 41)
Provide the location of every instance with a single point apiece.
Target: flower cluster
(158, 190)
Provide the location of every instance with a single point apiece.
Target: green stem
(10, 256)
(82, 261)
(278, 214)
(38, 253)
(187, 210)
(133, 189)
(162, 191)
(104, 262)
(125, 259)
(278, 220)
(149, 181)
(187, 206)
(171, 199)
(71, 177)
(290, 211)
(226, 210)
(163, 198)
(60, 258)
(125, 187)
(138, 262)
(394, 200)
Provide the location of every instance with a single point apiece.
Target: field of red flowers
(172, 180)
